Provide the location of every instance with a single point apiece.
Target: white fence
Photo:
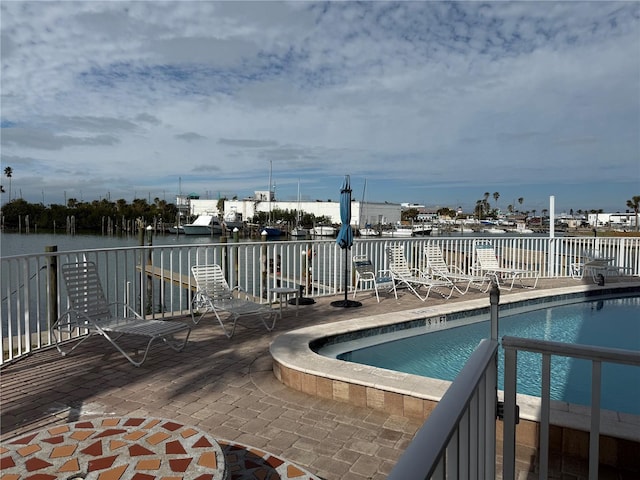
(156, 280)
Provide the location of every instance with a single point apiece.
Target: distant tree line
(87, 216)
(93, 216)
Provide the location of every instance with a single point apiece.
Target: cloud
(443, 100)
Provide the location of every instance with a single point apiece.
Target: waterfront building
(361, 213)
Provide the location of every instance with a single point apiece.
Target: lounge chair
(368, 277)
(487, 264)
(597, 266)
(438, 268)
(412, 278)
(90, 312)
(214, 295)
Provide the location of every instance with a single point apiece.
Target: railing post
(494, 299)
(52, 293)
(225, 257)
(491, 395)
(509, 423)
(149, 308)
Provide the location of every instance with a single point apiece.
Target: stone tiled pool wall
(297, 364)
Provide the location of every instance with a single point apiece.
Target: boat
(522, 228)
(233, 220)
(270, 229)
(494, 230)
(203, 225)
(398, 232)
(177, 229)
(368, 232)
(323, 231)
(422, 229)
(299, 230)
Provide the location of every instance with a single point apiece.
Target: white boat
(323, 231)
(398, 232)
(203, 225)
(300, 232)
(177, 229)
(233, 220)
(494, 230)
(422, 229)
(522, 228)
(368, 232)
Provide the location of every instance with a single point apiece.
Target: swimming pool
(442, 352)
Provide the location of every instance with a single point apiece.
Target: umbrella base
(301, 301)
(346, 304)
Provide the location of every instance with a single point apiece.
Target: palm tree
(520, 200)
(634, 204)
(496, 196)
(8, 172)
(479, 209)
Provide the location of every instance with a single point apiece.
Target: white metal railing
(156, 280)
(596, 355)
(458, 438)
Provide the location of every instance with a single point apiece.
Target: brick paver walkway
(224, 387)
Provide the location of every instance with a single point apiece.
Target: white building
(361, 213)
(624, 221)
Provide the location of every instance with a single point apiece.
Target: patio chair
(368, 277)
(214, 295)
(438, 268)
(597, 266)
(412, 278)
(487, 264)
(89, 311)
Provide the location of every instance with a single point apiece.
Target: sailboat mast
(362, 206)
(269, 192)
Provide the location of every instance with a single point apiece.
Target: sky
(421, 102)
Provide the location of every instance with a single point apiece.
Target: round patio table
(114, 448)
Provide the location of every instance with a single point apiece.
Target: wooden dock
(183, 281)
(188, 282)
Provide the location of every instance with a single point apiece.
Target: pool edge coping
(299, 367)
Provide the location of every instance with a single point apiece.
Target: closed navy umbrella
(345, 239)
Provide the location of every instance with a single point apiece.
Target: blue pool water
(611, 323)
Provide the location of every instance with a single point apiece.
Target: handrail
(587, 352)
(156, 280)
(428, 452)
(597, 355)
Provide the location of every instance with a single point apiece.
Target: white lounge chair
(90, 312)
(438, 268)
(596, 265)
(214, 295)
(368, 277)
(413, 278)
(487, 264)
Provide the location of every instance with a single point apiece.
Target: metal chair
(487, 264)
(413, 278)
(438, 268)
(368, 277)
(213, 295)
(90, 312)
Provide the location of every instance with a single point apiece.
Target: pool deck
(226, 387)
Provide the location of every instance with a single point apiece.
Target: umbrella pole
(346, 303)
